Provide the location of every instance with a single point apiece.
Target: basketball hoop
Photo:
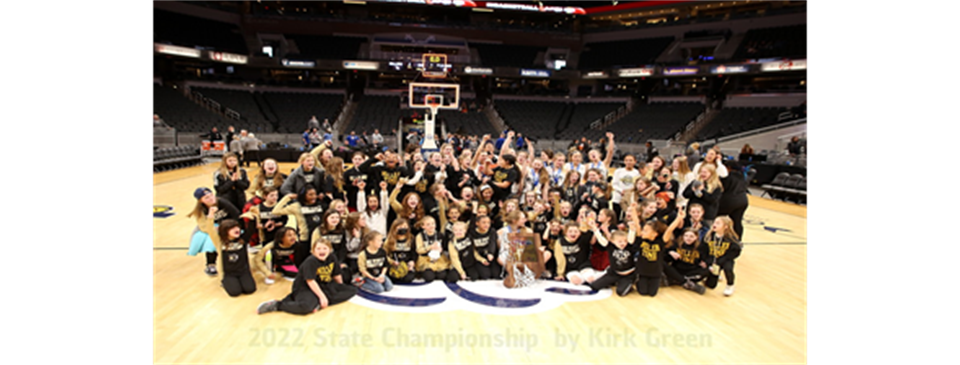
(432, 96)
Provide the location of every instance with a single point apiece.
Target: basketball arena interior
(668, 80)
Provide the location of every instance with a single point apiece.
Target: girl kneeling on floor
(318, 284)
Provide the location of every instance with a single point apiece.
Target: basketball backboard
(422, 94)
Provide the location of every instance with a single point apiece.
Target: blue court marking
(570, 291)
(163, 211)
(775, 229)
(402, 302)
(491, 301)
(410, 284)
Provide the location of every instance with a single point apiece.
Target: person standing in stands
(651, 152)
(313, 123)
(327, 128)
(212, 136)
(229, 139)
(251, 149)
(693, 154)
(377, 139)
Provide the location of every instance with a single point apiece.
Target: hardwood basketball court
(763, 322)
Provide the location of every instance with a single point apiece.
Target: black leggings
(736, 215)
(485, 272)
(727, 273)
(623, 282)
(239, 284)
(212, 258)
(648, 285)
(473, 272)
(305, 302)
(677, 276)
(450, 276)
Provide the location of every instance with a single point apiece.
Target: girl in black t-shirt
(684, 262)
(318, 285)
(332, 231)
(724, 247)
(230, 181)
(308, 210)
(278, 256)
(209, 212)
(373, 263)
(234, 262)
(401, 251)
(650, 251)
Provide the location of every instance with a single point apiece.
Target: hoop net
(433, 102)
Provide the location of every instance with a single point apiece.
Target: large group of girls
(404, 217)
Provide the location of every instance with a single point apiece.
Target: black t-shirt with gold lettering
(650, 256)
(314, 269)
(690, 256)
(500, 175)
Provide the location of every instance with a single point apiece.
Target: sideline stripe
(491, 301)
(403, 302)
(411, 284)
(170, 248)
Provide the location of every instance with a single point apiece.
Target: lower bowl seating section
(243, 102)
(538, 119)
(651, 121)
(294, 109)
(184, 114)
(741, 119)
(583, 115)
(470, 123)
(376, 112)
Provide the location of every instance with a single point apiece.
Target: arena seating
(251, 115)
(583, 115)
(176, 157)
(376, 112)
(294, 109)
(471, 123)
(182, 113)
(787, 187)
(735, 120)
(651, 121)
(538, 119)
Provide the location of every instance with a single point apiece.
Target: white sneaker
(728, 291)
(268, 281)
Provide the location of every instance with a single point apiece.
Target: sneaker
(692, 286)
(728, 291)
(287, 278)
(211, 270)
(268, 306)
(268, 281)
(357, 281)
